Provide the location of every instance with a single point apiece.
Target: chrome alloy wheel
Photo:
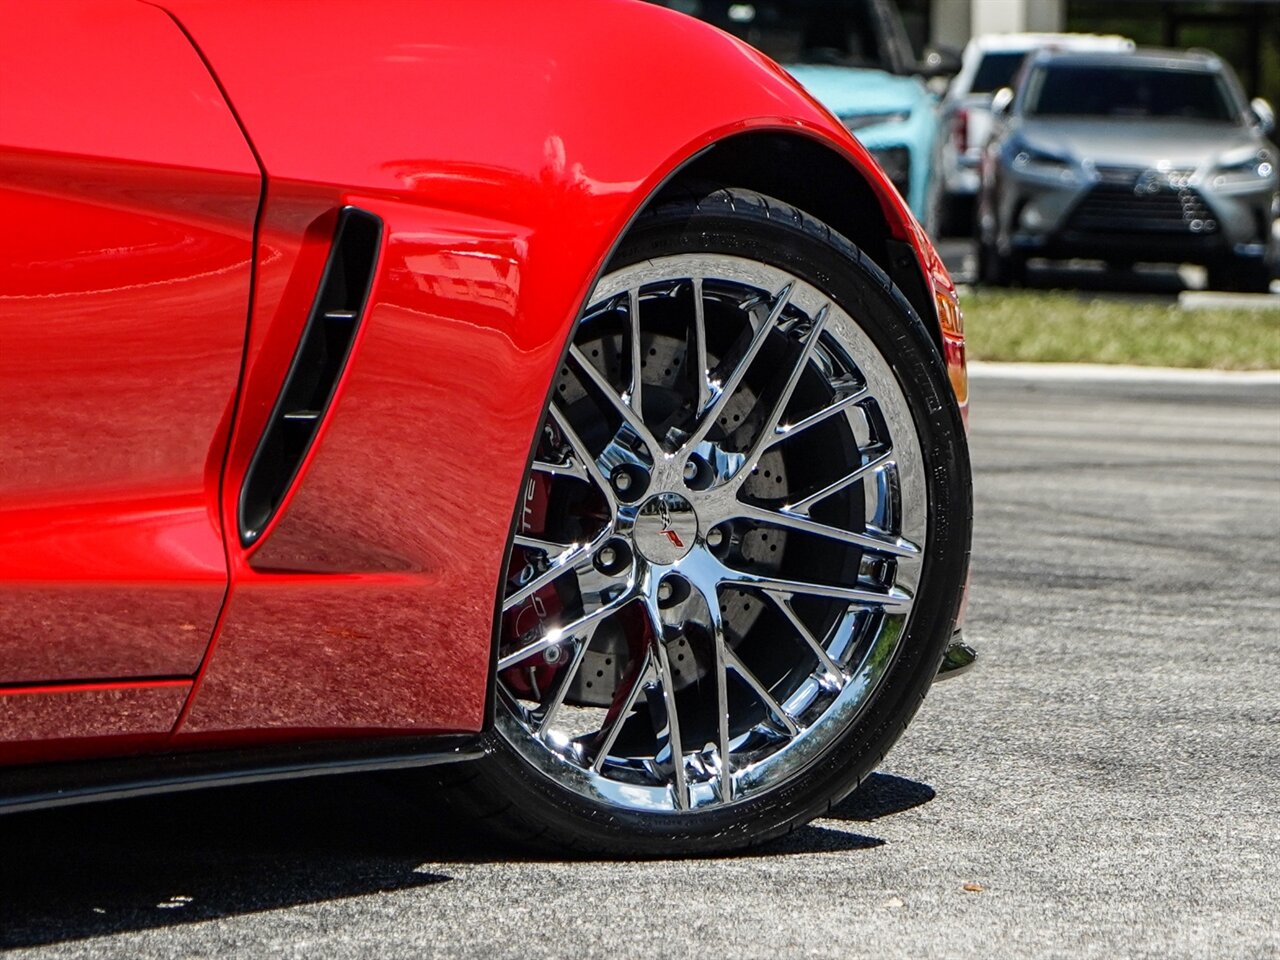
(720, 541)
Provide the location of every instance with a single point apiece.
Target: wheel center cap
(665, 528)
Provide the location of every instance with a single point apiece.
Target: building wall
(950, 21)
(1246, 33)
(1015, 16)
(955, 21)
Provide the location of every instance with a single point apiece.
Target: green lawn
(1060, 327)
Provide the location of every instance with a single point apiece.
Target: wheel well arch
(830, 188)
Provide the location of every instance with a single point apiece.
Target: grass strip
(1053, 326)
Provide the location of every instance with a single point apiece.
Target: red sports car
(550, 388)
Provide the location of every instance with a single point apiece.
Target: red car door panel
(127, 256)
(41, 724)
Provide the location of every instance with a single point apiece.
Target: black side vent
(317, 365)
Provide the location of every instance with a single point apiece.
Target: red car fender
(505, 147)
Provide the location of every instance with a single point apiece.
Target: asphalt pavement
(1106, 783)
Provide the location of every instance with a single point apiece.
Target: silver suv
(1145, 156)
(989, 63)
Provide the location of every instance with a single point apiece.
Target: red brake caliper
(524, 623)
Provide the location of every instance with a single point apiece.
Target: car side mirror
(1265, 116)
(1002, 103)
(941, 62)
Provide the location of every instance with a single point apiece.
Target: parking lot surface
(1106, 783)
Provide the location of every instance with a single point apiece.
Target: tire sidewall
(811, 252)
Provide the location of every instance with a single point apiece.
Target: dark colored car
(1149, 156)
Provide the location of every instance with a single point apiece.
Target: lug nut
(629, 482)
(672, 590)
(613, 557)
(698, 473)
(715, 537)
(552, 655)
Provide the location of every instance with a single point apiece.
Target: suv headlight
(896, 163)
(1253, 167)
(1041, 164)
(857, 121)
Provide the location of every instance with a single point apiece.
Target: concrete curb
(1212, 300)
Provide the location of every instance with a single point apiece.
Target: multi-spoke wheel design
(726, 518)
(724, 539)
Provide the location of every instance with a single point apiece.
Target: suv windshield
(1132, 92)
(853, 33)
(996, 70)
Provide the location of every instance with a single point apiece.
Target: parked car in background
(1152, 156)
(854, 56)
(989, 62)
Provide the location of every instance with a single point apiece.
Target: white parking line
(980, 370)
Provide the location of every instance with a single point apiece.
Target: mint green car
(855, 58)
(894, 117)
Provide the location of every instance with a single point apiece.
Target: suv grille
(1135, 200)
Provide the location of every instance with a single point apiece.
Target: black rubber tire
(1241, 276)
(985, 267)
(512, 799)
(958, 213)
(1010, 270)
(1000, 270)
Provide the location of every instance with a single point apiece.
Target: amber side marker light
(952, 321)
